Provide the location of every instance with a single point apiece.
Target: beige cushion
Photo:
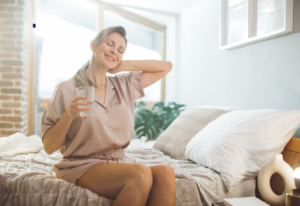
(174, 139)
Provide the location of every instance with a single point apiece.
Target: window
(247, 21)
(62, 46)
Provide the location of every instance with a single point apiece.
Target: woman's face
(110, 52)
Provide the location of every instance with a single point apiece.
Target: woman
(89, 145)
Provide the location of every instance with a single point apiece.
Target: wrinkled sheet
(27, 180)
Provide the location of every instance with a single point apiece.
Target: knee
(166, 173)
(143, 177)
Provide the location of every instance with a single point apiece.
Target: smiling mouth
(109, 58)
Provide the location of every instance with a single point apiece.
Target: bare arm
(147, 66)
(54, 137)
(152, 70)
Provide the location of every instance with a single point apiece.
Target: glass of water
(89, 93)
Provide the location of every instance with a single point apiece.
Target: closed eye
(111, 46)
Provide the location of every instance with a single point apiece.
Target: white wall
(264, 75)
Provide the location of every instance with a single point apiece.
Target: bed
(27, 180)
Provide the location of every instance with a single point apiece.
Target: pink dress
(100, 138)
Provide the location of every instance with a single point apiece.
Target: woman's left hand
(118, 69)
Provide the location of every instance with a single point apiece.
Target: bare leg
(163, 190)
(128, 184)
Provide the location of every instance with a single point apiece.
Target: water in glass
(89, 93)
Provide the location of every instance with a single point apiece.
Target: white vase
(277, 165)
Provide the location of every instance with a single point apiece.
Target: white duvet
(18, 143)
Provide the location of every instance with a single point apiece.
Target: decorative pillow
(238, 144)
(174, 139)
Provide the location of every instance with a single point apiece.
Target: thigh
(108, 179)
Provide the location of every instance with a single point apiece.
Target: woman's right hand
(73, 109)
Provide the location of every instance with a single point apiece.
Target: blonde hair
(80, 77)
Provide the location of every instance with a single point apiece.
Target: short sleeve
(135, 82)
(53, 112)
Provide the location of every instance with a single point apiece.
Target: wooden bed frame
(291, 154)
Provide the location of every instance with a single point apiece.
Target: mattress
(245, 189)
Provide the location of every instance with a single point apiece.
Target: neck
(97, 73)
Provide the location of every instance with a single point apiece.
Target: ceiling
(171, 7)
(161, 12)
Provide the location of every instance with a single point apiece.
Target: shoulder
(120, 75)
(64, 92)
(118, 79)
(66, 86)
(128, 76)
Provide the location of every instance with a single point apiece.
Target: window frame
(252, 25)
(31, 66)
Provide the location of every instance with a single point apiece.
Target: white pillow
(239, 143)
(174, 139)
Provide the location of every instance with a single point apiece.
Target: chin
(110, 66)
(106, 63)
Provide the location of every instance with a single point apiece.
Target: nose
(113, 50)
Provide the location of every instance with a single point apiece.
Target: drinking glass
(89, 93)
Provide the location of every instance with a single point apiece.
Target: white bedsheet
(245, 189)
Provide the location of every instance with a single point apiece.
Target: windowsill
(255, 39)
